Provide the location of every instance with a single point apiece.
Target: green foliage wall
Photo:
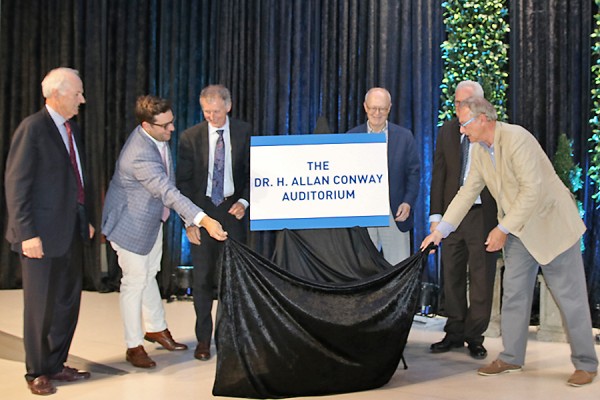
(566, 169)
(476, 49)
(594, 170)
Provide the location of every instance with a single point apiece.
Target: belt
(224, 198)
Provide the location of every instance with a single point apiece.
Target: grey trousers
(565, 278)
(394, 243)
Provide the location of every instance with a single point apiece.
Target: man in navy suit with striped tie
(48, 198)
(214, 171)
(138, 200)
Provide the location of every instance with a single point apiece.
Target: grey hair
(56, 80)
(478, 106)
(378, 88)
(475, 86)
(211, 92)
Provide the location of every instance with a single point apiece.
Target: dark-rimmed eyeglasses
(165, 125)
(374, 110)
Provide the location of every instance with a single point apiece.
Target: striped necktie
(218, 176)
(73, 158)
(464, 158)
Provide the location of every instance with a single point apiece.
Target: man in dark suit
(47, 198)
(464, 259)
(403, 176)
(214, 171)
(138, 200)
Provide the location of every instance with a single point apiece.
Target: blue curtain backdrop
(286, 63)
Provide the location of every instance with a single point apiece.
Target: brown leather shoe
(69, 374)
(581, 377)
(41, 385)
(138, 357)
(498, 367)
(165, 339)
(202, 351)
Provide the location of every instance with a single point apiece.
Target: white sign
(318, 181)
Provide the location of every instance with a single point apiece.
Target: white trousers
(139, 294)
(394, 243)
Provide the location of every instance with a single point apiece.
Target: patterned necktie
(165, 159)
(464, 157)
(218, 176)
(73, 157)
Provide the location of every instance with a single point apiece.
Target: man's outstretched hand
(214, 228)
(435, 237)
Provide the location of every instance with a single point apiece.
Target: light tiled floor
(98, 346)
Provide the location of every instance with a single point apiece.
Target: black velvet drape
(281, 334)
(286, 63)
(328, 255)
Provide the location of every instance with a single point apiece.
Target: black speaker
(184, 278)
(428, 302)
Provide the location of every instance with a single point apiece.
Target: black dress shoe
(477, 351)
(445, 345)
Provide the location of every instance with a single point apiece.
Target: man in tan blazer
(538, 226)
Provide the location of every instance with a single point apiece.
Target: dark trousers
(206, 260)
(468, 320)
(52, 296)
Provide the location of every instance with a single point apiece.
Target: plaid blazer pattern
(137, 193)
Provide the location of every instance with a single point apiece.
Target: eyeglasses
(468, 122)
(374, 110)
(165, 125)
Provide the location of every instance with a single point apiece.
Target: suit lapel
(454, 153)
(498, 169)
(150, 146)
(392, 152)
(80, 146)
(204, 145)
(54, 134)
(233, 143)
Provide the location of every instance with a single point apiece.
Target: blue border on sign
(316, 223)
(329, 138)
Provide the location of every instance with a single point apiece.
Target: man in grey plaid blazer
(137, 203)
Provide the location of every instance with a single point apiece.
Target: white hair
(475, 86)
(378, 89)
(56, 80)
